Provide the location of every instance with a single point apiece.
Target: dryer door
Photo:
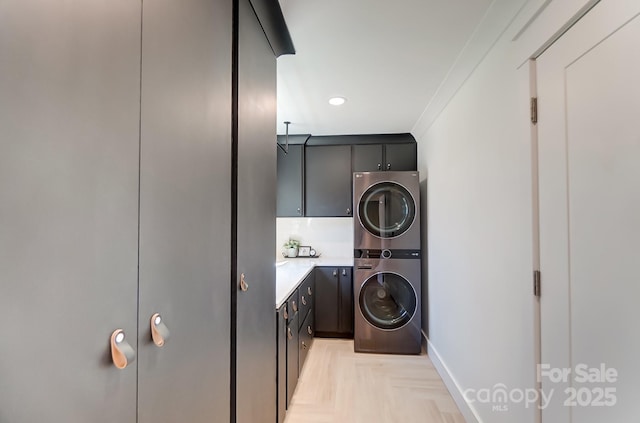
(387, 301)
(386, 210)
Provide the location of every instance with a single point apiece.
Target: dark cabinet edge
(297, 139)
(403, 138)
(273, 24)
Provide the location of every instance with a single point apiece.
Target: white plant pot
(292, 252)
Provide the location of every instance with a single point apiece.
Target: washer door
(387, 301)
(386, 210)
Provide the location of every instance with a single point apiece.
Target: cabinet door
(69, 131)
(345, 309)
(401, 157)
(328, 181)
(256, 219)
(281, 324)
(185, 185)
(292, 357)
(290, 182)
(367, 157)
(305, 339)
(326, 301)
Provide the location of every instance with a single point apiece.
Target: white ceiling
(388, 59)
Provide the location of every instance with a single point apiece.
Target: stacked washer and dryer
(387, 258)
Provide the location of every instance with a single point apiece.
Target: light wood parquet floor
(338, 385)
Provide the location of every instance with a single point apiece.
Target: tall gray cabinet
(117, 204)
(185, 237)
(255, 393)
(69, 141)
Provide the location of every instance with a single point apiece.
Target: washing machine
(387, 210)
(387, 316)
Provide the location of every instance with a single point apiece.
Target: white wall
(329, 236)
(475, 161)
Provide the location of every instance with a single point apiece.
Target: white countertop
(291, 272)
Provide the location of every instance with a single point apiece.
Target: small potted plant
(291, 247)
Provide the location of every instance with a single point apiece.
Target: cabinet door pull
(348, 211)
(243, 284)
(289, 334)
(122, 353)
(344, 272)
(379, 166)
(304, 346)
(309, 331)
(299, 210)
(159, 331)
(285, 313)
(309, 290)
(388, 166)
(294, 306)
(303, 300)
(335, 273)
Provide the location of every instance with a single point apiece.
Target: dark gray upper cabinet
(185, 173)
(290, 181)
(328, 181)
(69, 131)
(367, 157)
(400, 157)
(393, 157)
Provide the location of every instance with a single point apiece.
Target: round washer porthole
(387, 301)
(386, 210)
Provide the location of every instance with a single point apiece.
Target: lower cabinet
(295, 323)
(281, 327)
(334, 302)
(293, 360)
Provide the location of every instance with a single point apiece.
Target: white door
(589, 175)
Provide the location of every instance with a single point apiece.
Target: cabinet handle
(309, 290)
(159, 331)
(348, 211)
(289, 334)
(309, 331)
(379, 166)
(122, 353)
(294, 306)
(303, 300)
(335, 273)
(388, 166)
(299, 210)
(285, 314)
(243, 284)
(344, 272)
(304, 346)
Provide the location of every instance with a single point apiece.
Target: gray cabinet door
(328, 181)
(293, 356)
(401, 157)
(290, 182)
(69, 124)
(367, 157)
(327, 300)
(345, 308)
(256, 210)
(185, 212)
(281, 324)
(334, 302)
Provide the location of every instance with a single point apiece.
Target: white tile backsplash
(329, 236)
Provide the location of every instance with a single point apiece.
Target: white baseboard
(468, 411)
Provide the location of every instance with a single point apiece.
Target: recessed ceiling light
(337, 101)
